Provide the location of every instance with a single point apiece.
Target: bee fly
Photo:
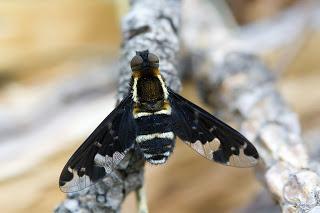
(149, 119)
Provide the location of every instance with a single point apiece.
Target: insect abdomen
(155, 137)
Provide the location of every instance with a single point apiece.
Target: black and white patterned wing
(209, 136)
(102, 151)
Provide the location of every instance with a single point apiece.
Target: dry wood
(244, 89)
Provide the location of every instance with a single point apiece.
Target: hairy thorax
(150, 93)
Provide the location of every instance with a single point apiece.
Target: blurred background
(58, 78)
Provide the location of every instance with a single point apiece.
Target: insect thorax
(150, 93)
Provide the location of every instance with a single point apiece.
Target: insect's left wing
(102, 151)
(210, 137)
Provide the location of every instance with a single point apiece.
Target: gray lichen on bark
(246, 90)
(152, 25)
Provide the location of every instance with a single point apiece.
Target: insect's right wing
(209, 136)
(102, 151)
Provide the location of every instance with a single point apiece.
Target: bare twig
(152, 25)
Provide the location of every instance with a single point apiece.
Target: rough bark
(245, 91)
(152, 25)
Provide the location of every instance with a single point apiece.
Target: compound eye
(152, 58)
(136, 61)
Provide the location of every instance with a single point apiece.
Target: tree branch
(152, 25)
(245, 90)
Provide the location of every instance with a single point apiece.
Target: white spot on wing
(242, 160)
(70, 170)
(214, 144)
(99, 160)
(97, 144)
(77, 183)
(117, 157)
(108, 162)
(212, 129)
(207, 149)
(244, 145)
(198, 146)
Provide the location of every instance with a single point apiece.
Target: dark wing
(102, 151)
(209, 136)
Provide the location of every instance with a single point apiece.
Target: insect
(149, 119)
